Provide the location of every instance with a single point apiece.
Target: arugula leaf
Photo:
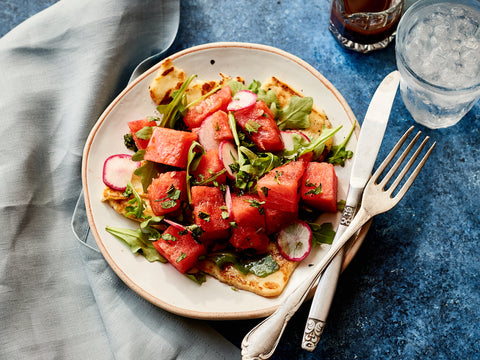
(145, 133)
(262, 265)
(138, 242)
(195, 153)
(177, 107)
(147, 172)
(295, 114)
(321, 234)
(317, 145)
(137, 205)
(338, 154)
(199, 277)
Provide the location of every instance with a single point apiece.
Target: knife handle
(327, 284)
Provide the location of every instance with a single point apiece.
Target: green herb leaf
(168, 237)
(129, 142)
(322, 234)
(177, 107)
(252, 126)
(338, 154)
(147, 172)
(199, 277)
(145, 133)
(204, 216)
(138, 242)
(181, 257)
(137, 205)
(260, 265)
(195, 153)
(295, 114)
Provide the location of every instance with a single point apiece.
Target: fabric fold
(58, 298)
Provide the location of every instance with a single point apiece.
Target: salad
(232, 179)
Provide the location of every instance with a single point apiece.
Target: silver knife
(369, 141)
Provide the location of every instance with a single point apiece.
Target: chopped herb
(199, 277)
(204, 216)
(340, 205)
(225, 214)
(277, 176)
(181, 257)
(265, 190)
(252, 126)
(129, 142)
(168, 204)
(316, 189)
(168, 237)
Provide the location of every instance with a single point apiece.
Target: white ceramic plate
(160, 283)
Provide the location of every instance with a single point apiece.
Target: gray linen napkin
(58, 297)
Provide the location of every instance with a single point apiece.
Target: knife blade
(368, 145)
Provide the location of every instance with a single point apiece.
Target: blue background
(413, 290)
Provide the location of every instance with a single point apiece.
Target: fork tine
(390, 156)
(413, 176)
(409, 163)
(399, 161)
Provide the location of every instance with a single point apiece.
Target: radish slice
(228, 201)
(117, 171)
(287, 137)
(206, 135)
(242, 100)
(228, 154)
(295, 241)
(175, 224)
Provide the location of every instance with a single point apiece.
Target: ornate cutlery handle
(261, 341)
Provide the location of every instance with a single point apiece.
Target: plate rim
(354, 245)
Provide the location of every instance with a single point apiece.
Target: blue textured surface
(413, 290)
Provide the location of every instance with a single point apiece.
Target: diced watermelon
(248, 237)
(259, 124)
(182, 251)
(320, 177)
(280, 187)
(275, 219)
(165, 187)
(248, 210)
(217, 101)
(210, 213)
(221, 128)
(169, 146)
(209, 165)
(137, 125)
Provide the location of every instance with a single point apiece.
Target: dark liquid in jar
(358, 34)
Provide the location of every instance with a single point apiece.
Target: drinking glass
(438, 56)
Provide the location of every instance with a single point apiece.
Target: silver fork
(261, 341)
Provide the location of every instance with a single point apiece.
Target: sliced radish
(206, 135)
(228, 201)
(287, 137)
(228, 154)
(295, 241)
(241, 100)
(175, 224)
(117, 171)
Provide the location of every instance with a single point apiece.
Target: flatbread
(168, 79)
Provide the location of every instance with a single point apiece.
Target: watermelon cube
(179, 248)
(221, 128)
(166, 192)
(319, 186)
(210, 213)
(137, 125)
(279, 188)
(258, 123)
(248, 210)
(249, 237)
(275, 220)
(209, 165)
(169, 146)
(217, 101)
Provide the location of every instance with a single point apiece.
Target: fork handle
(261, 341)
